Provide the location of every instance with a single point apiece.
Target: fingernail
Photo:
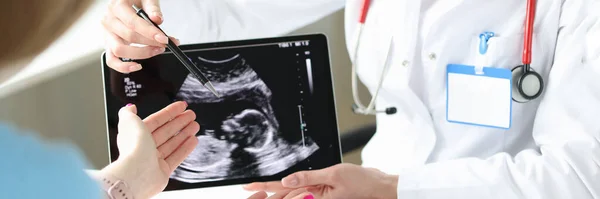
(158, 51)
(135, 67)
(290, 181)
(130, 104)
(158, 14)
(184, 102)
(309, 197)
(161, 38)
(247, 187)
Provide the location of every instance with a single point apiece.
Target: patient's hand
(152, 148)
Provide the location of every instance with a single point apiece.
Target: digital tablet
(276, 114)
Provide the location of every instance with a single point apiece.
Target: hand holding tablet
(275, 116)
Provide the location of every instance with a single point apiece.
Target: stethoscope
(527, 84)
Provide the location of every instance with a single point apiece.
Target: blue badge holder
(487, 72)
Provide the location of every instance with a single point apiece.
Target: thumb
(129, 121)
(131, 128)
(308, 178)
(152, 7)
(128, 113)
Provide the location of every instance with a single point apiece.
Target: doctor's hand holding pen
(124, 27)
(346, 181)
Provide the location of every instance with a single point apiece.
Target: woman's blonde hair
(27, 27)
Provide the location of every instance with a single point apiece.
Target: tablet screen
(275, 116)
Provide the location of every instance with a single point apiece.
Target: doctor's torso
(423, 38)
(422, 41)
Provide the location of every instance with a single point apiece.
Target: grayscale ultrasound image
(240, 135)
(275, 114)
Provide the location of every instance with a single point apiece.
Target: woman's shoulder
(32, 168)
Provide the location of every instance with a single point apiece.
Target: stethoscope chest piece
(527, 84)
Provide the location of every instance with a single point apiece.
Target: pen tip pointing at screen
(210, 87)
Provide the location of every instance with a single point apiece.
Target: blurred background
(60, 95)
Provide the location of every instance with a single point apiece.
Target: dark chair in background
(356, 138)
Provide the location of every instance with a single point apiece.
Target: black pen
(180, 55)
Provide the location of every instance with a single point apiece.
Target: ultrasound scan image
(240, 135)
(275, 114)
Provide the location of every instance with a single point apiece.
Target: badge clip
(483, 47)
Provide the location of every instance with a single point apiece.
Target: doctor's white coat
(552, 149)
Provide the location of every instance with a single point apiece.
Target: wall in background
(72, 105)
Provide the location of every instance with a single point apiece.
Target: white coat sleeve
(566, 131)
(198, 21)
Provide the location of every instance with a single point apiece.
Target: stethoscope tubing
(528, 37)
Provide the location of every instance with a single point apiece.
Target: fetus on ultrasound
(240, 135)
(247, 128)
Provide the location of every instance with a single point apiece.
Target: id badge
(480, 96)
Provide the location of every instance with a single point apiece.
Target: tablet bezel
(322, 40)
